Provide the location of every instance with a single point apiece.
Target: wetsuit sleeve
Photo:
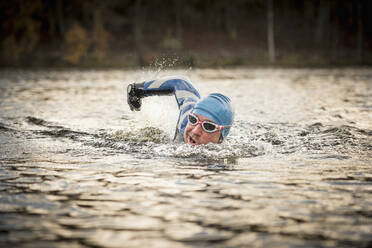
(185, 93)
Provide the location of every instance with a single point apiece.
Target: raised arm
(185, 93)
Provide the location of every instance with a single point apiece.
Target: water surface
(79, 169)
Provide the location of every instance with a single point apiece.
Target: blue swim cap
(216, 107)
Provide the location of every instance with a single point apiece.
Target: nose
(197, 130)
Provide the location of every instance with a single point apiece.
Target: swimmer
(201, 121)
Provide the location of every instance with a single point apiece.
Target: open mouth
(191, 141)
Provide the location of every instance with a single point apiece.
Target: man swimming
(200, 121)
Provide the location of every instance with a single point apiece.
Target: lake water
(79, 169)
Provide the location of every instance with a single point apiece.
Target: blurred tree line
(197, 32)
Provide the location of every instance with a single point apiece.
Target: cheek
(187, 129)
(214, 138)
(209, 138)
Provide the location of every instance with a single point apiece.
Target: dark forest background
(131, 33)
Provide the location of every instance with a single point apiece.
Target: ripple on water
(294, 171)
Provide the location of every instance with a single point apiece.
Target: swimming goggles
(207, 126)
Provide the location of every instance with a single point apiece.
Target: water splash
(143, 135)
(247, 140)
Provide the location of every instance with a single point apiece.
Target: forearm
(148, 91)
(137, 91)
(183, 90)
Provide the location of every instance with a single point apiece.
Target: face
(195, 135)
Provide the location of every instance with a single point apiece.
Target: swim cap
(216, 107)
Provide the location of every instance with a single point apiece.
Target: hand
(134, 95)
